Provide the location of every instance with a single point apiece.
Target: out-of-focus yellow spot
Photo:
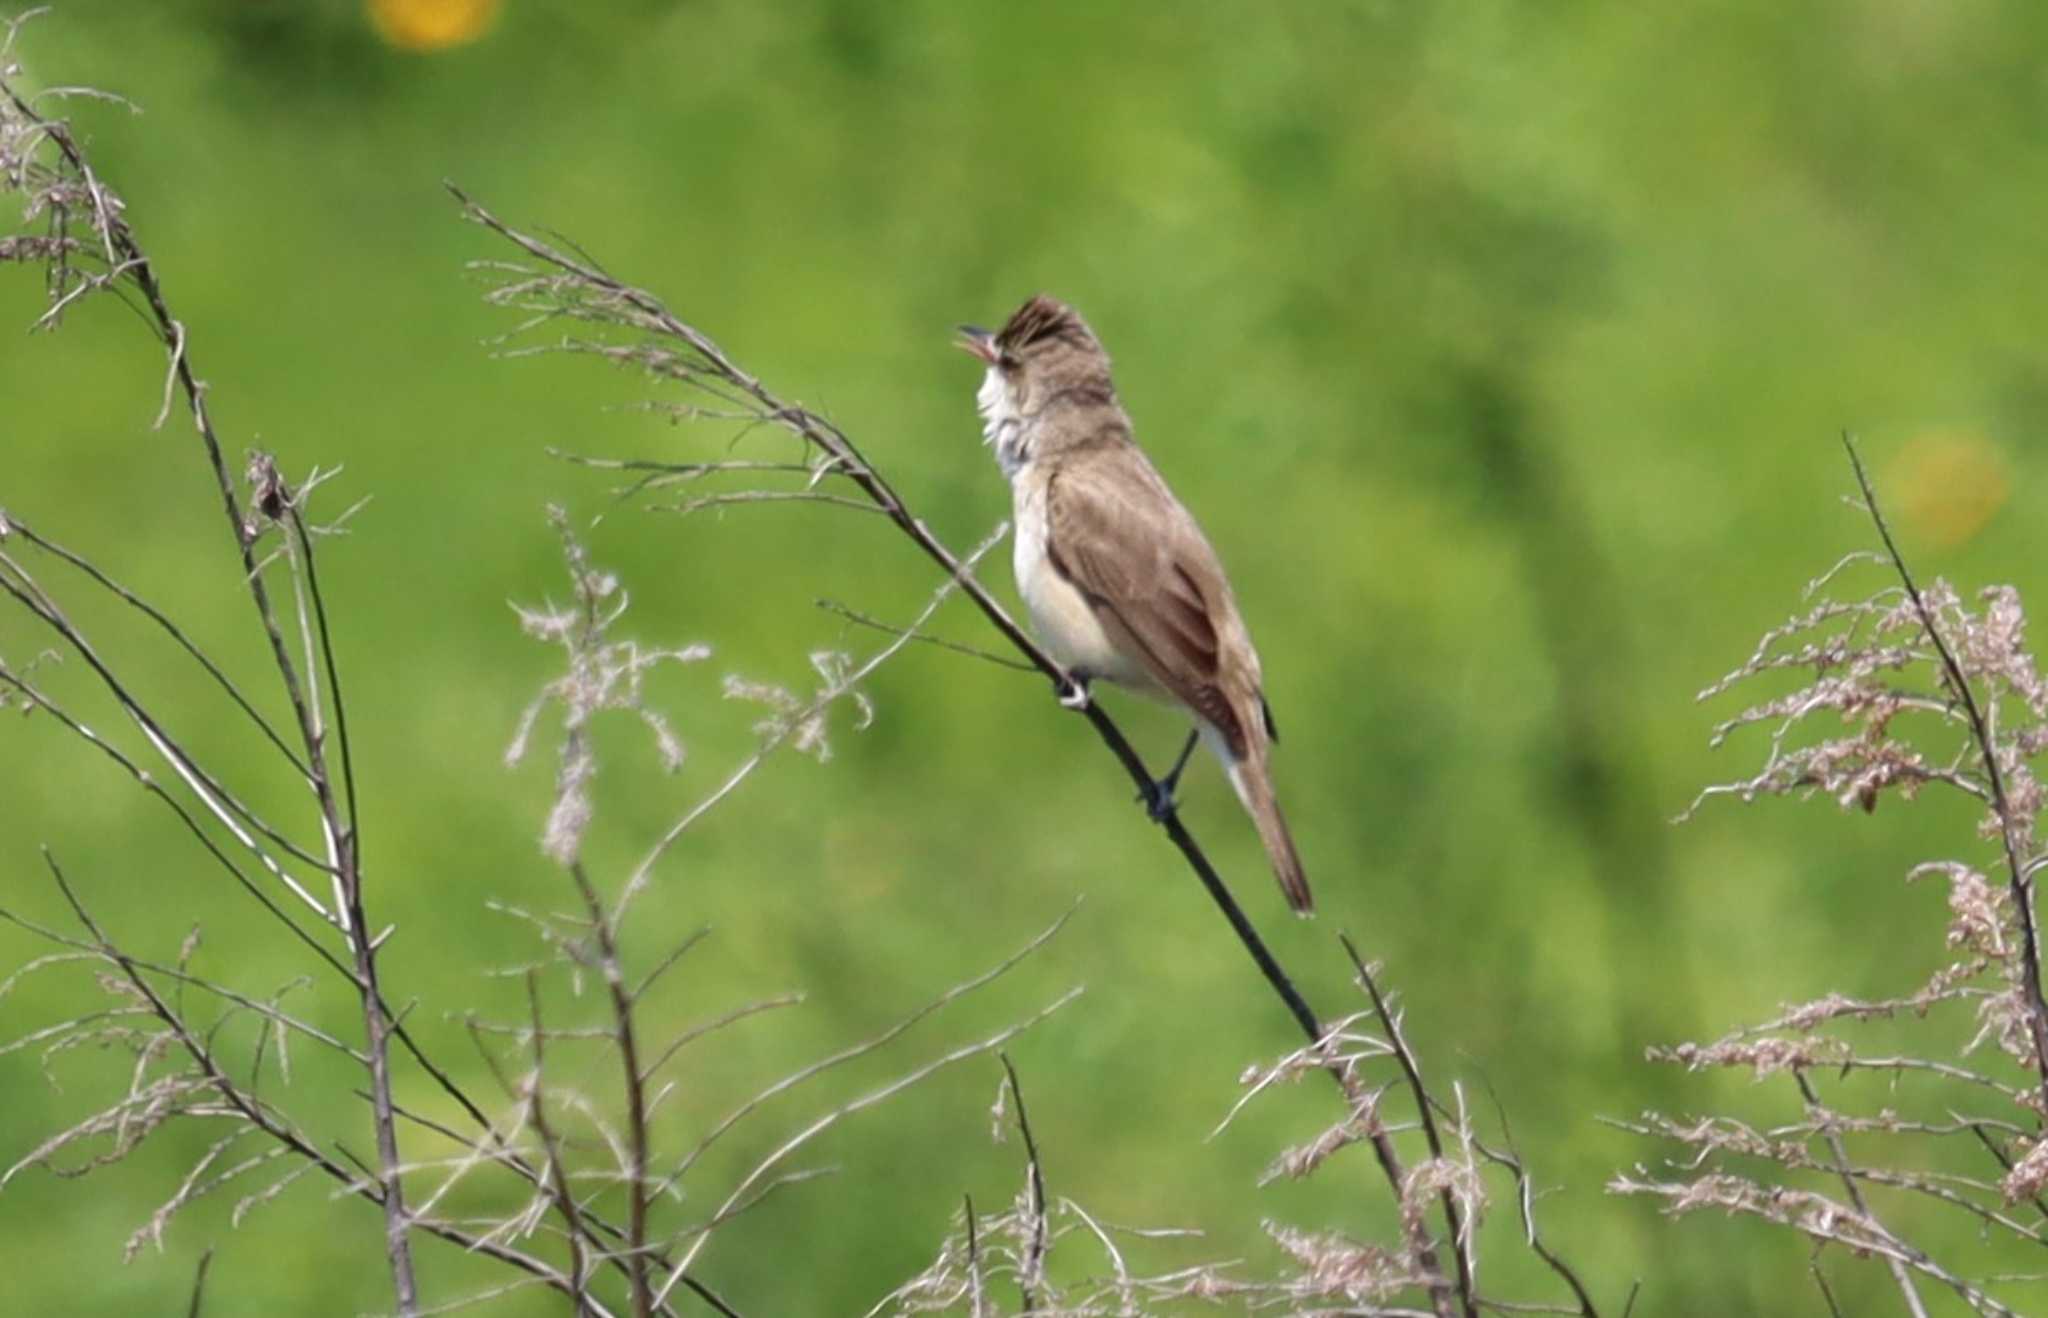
(1946, 485)
(432, 24)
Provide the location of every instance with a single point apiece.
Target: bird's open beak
(978, 341)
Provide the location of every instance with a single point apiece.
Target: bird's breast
(1066, 623)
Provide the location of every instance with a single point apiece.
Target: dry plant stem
(1453, 1220)
(91, 950)
(125, 255)
(860, 1049)
(1034, 1257)
(862, 619)
(737, 1200)
(973, 1259)
(558, 1175)
(199, 1284)
(260, 1116)
(1831, 1223)
(1826, 1292)
(492, 1147)
(237, 818)
(1510, 1158)
(376, 1025)
(1363, 1106)
(176, 633)
(1977, 1128)
(836, 687)
(727, 379)
(1900, 1273)
(635, 1090)
(2018, 882)
(149, 784)
(343, 861)
(705, 366)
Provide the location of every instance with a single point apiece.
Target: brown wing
(1117, 534)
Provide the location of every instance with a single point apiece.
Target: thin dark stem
(1524, 1199)
(377, 1031)
(345, 838)
(261, 1117)
(177, 807)
(1034, 1255)
(834, 443)
(155, 788)
(662, 967)
(2004, 1163)
(1198, 861)
(713, 1025)
(175, 632)
(706, 1294)
(558, 1175)
(2018, 883)
(1827, 1293)
(1454, 1220)
(635, 1090)
(125, 255)
(701, 364)
(16, 582)
(496, 1150)
(199, 1284)
(861, 1049)
(1900, 1273)
(333, 670)
(732, 498)
(973, 1259)
(856, 616)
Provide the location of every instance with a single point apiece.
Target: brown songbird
(1120, 582)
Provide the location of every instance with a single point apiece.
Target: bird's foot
(1158, 800)
(1072, 691)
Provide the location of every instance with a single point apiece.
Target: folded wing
(1116, 533)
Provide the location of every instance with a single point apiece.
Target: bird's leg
(1158, 795)
(1072, 690)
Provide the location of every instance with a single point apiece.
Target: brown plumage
(1120, 581)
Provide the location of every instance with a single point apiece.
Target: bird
(1119, 581)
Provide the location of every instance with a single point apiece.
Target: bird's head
(1044, 352)
(1043, 348)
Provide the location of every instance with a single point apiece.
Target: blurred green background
(1502, 350)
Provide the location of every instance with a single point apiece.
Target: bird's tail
(1254, 784)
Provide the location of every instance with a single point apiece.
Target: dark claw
(1158, 794)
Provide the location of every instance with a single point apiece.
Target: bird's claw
(1072, 691)
(1158, 800)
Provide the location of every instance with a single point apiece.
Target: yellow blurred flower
(432, 24)
(1946, 485)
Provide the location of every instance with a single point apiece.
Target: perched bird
(1121, 584)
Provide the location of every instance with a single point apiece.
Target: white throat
(1002, 425)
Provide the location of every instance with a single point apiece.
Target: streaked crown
(1042, 327)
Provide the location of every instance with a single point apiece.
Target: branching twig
(1453, 1220)
(199, 1284)
(2018, 883)
(1900, 1275)
(1034, 1255)
(551, 1147)
(627, 1039)
(847, 1109)
(272, 503)
(972, 652)
(703, 364)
